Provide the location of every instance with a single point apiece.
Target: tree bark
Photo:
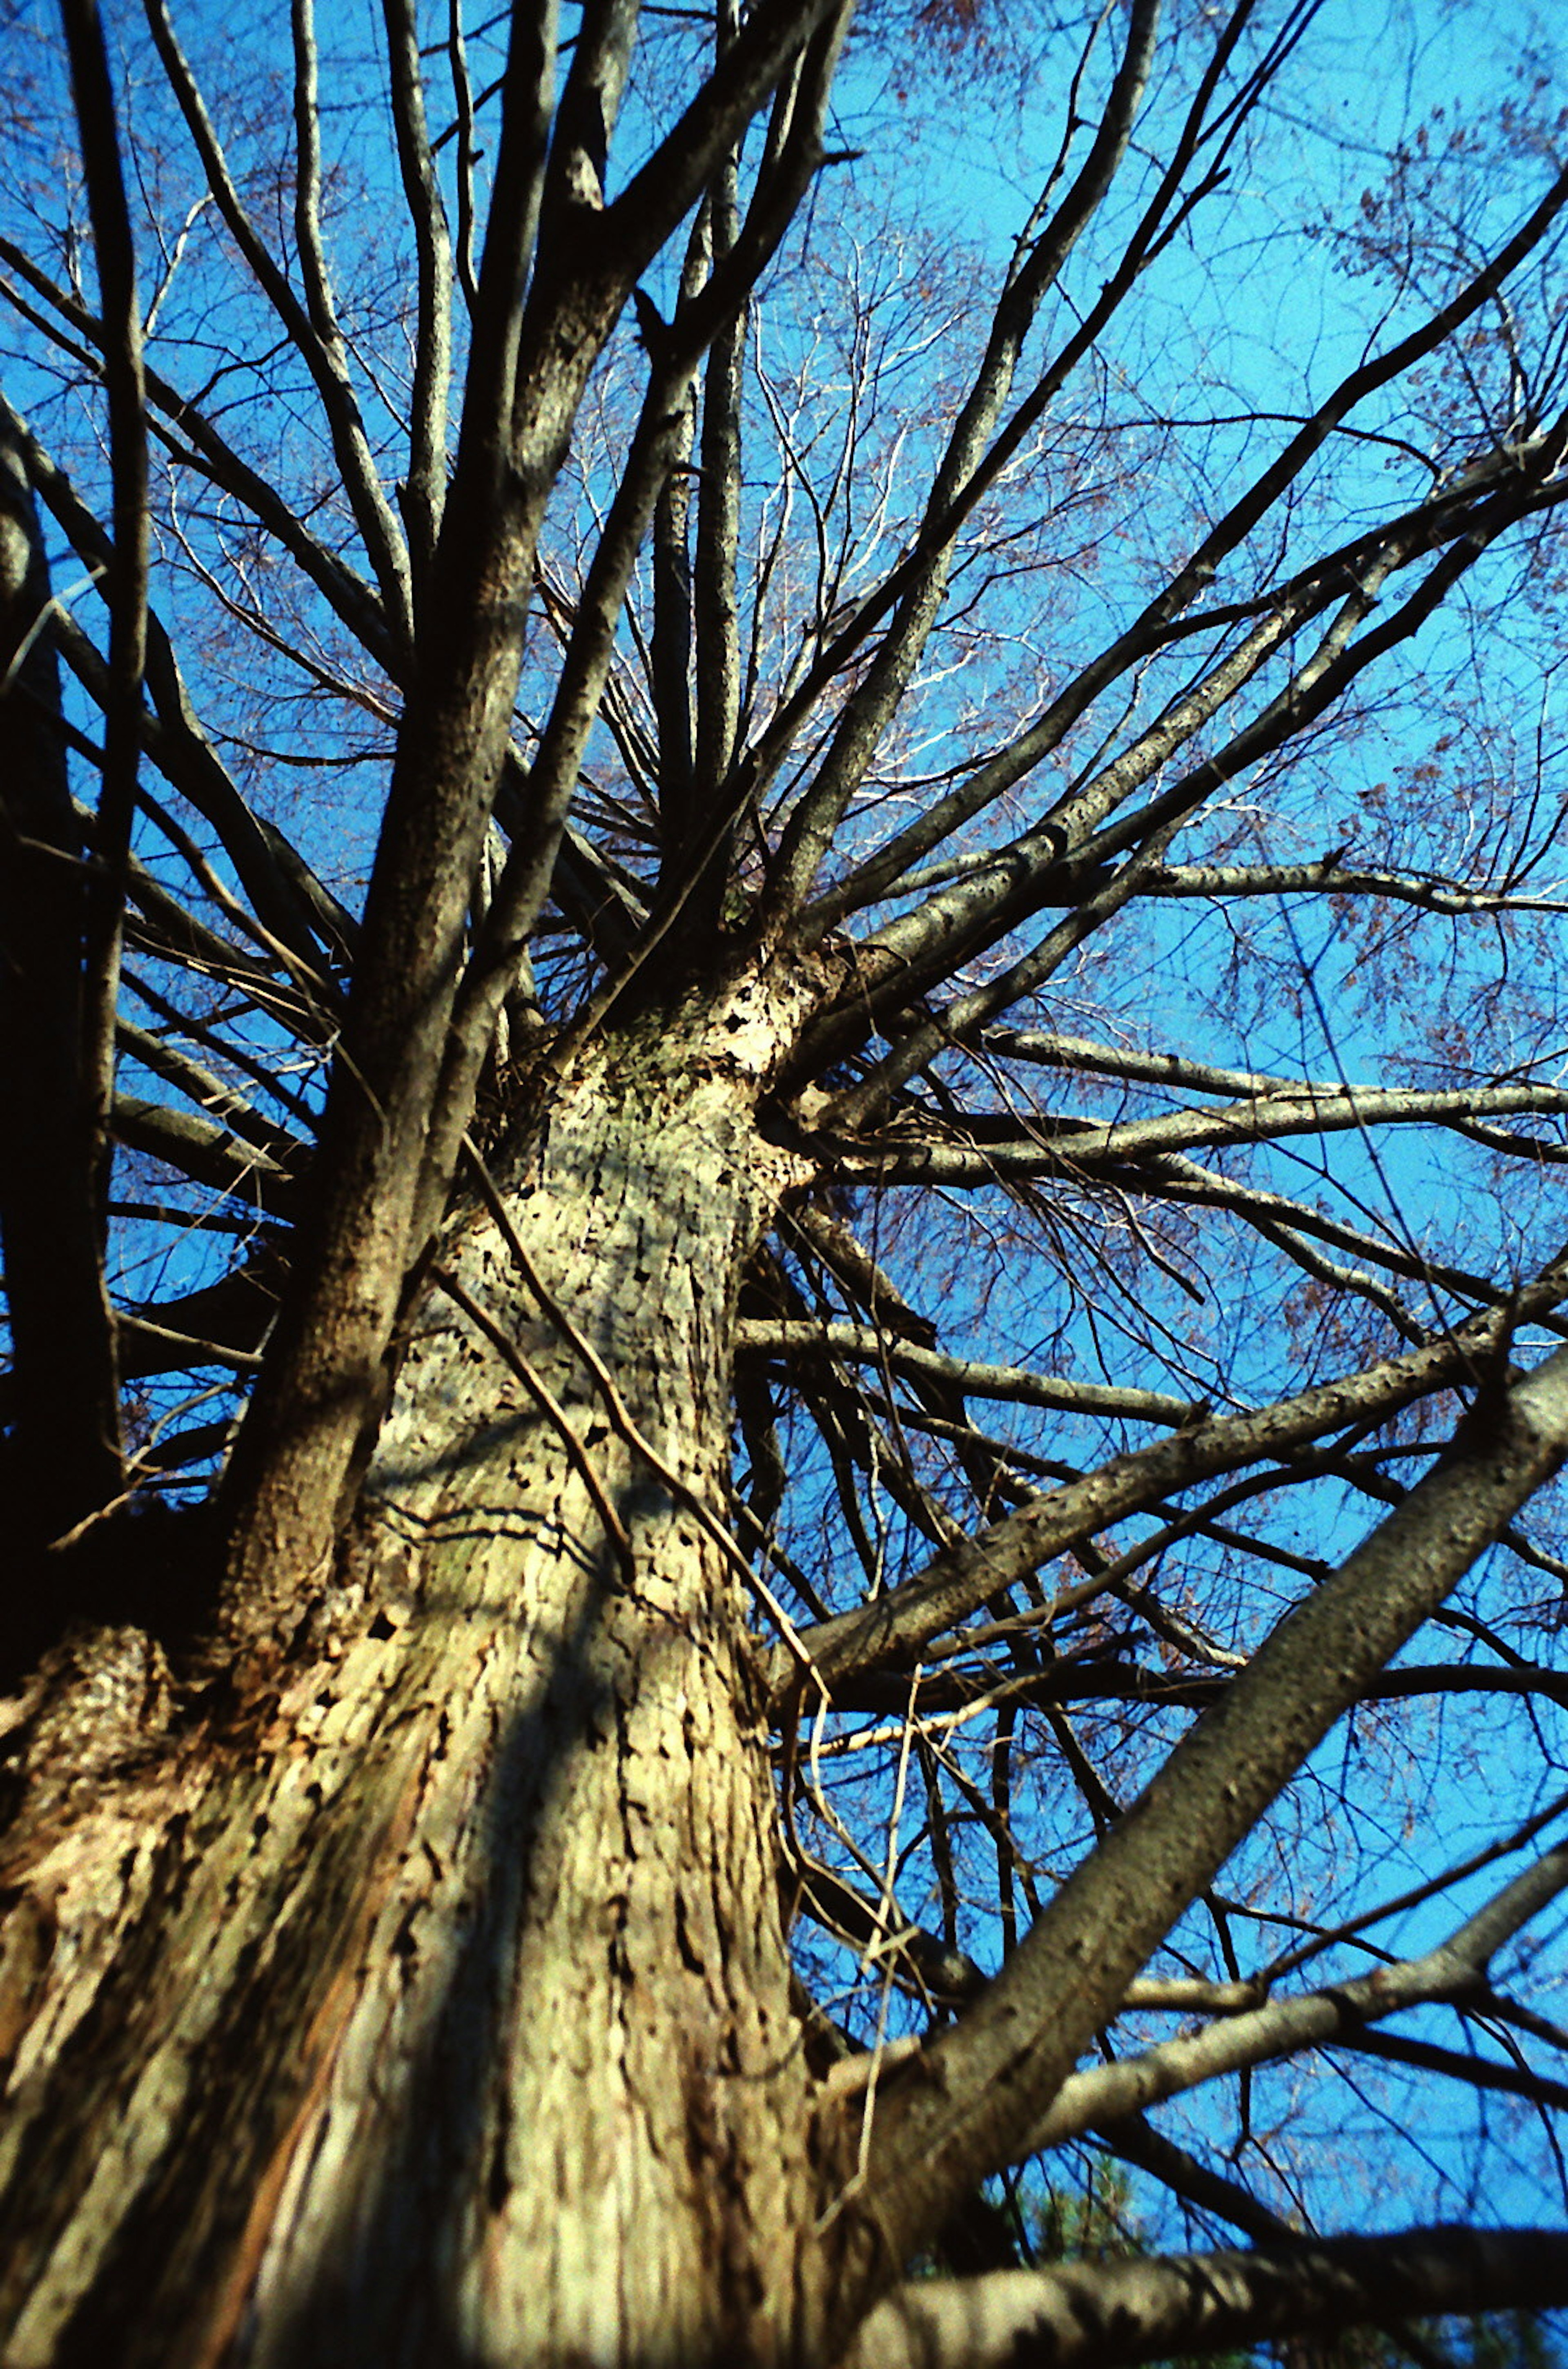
(1111, 2314)
(419, 1994)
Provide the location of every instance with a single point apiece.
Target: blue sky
(1253, 316)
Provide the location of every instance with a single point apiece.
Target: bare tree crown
(781, 885)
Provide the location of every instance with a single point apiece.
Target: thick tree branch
(425, 492)
(716, 592)
(126, 572)
(65, 1417)
(1456, 1970)
(960, 1580)
(969, 2105)
(1097, 2316)
(1339, 879)
(803, 1341)
(921, 949)
(381, 1179)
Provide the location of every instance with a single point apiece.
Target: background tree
(682, 1469)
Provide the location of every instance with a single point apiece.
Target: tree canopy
(785, 1048)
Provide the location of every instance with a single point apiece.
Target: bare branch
(860, 1345)
(1336, 2015)
(941, 2129)
(67, 1453)
(313, 332)
(114, 254)
(959, 1581)
(425, 495)
(1104, 2314)
(967, 465)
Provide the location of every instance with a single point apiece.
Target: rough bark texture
(422, 1999)
(1104, 2315)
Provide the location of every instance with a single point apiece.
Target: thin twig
(545, 1399)
(618, 1413)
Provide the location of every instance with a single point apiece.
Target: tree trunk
(418, 1995)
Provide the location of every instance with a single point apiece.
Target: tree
(679, 1480)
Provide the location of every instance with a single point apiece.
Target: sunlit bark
(451, 1938)
(743, 1335)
